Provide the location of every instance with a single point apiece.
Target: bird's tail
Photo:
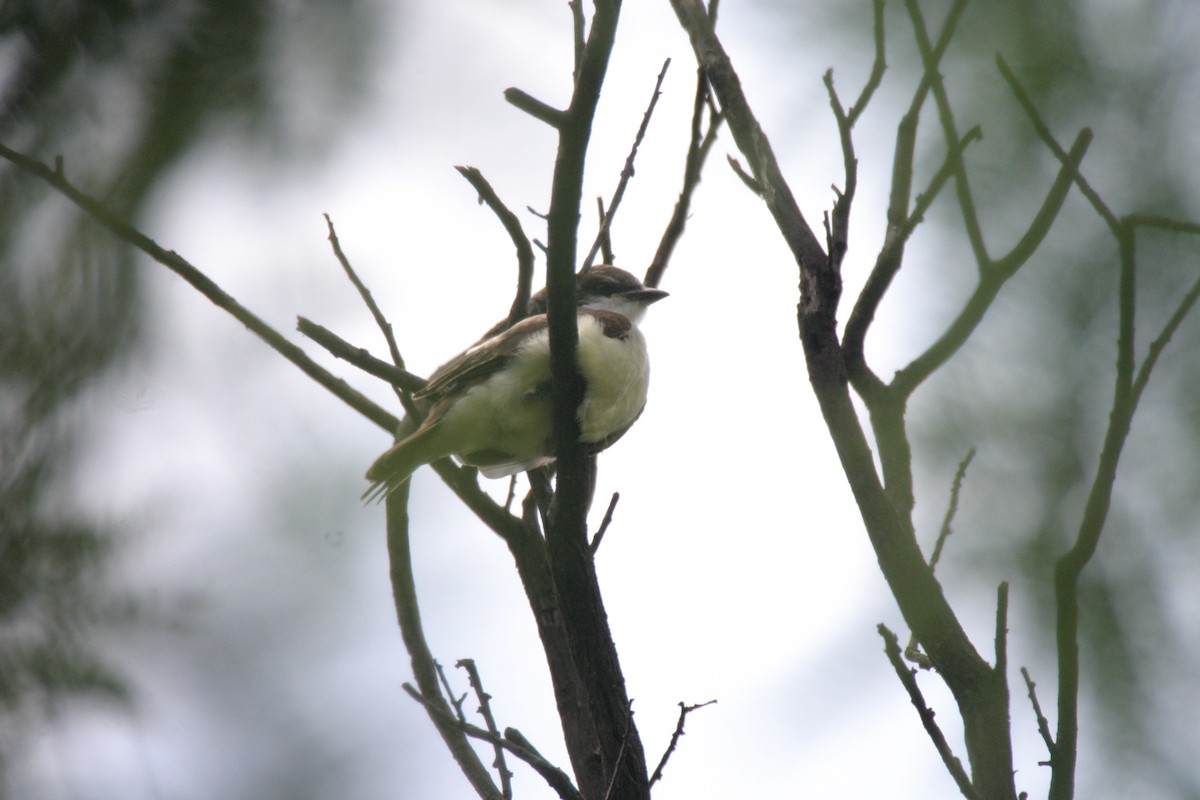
(392, 469)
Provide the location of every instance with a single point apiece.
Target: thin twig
(991, 281)
(359, 356)
(1163, 338)
(456, 701)
(616, 768)
(627, 170)
(892, 648)
(203, 284)
(751, 182)
(606, 249)
(951, 508)
(605, 522)
(912, 650)
(1042, 723)
(513, 742)
(485, 710)
(1043, 132)
(577, 29)
(699, 146)
(512, 224)
(368, 299)
(930, 58)
(684, 710)
(878, 67)
(1163, 223)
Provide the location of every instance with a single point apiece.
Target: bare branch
(404, 594)
(931, 58)
(684, 710)
(605, 522)
(577, 29)
(627, 170)
(751, 182)
(878, 67)
(951, 508)
(1043, 132)
(359, 356)
(892, 648)
(485, 709)
(535, 108)
(203, 284)
(606, 251)
(990, 282)
(1042, 723)
(1164, 337)
(368, 299)
(513, 741)
(487, 195)
(1001, 637)
(698, 149)
(749, 134)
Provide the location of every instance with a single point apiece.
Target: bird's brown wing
(479, 362)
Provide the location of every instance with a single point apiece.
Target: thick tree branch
(602, 740)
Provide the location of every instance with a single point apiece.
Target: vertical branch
(404, 593)
(1071, 565)
(603, 742)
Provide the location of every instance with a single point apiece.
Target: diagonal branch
(512, 741)
(698, 148)
(368, 299)
(485, 710)
(931, 57)
(891, 646)
(205, 285)
(359, 356)
(487, 195)
(684, 710)
(992, 280)
(626, 171)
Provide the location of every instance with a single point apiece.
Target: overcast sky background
(736, 568)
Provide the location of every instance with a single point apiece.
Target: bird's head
(606, 288)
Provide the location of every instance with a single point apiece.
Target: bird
(491, 405)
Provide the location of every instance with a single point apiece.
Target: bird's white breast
(616, 371)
